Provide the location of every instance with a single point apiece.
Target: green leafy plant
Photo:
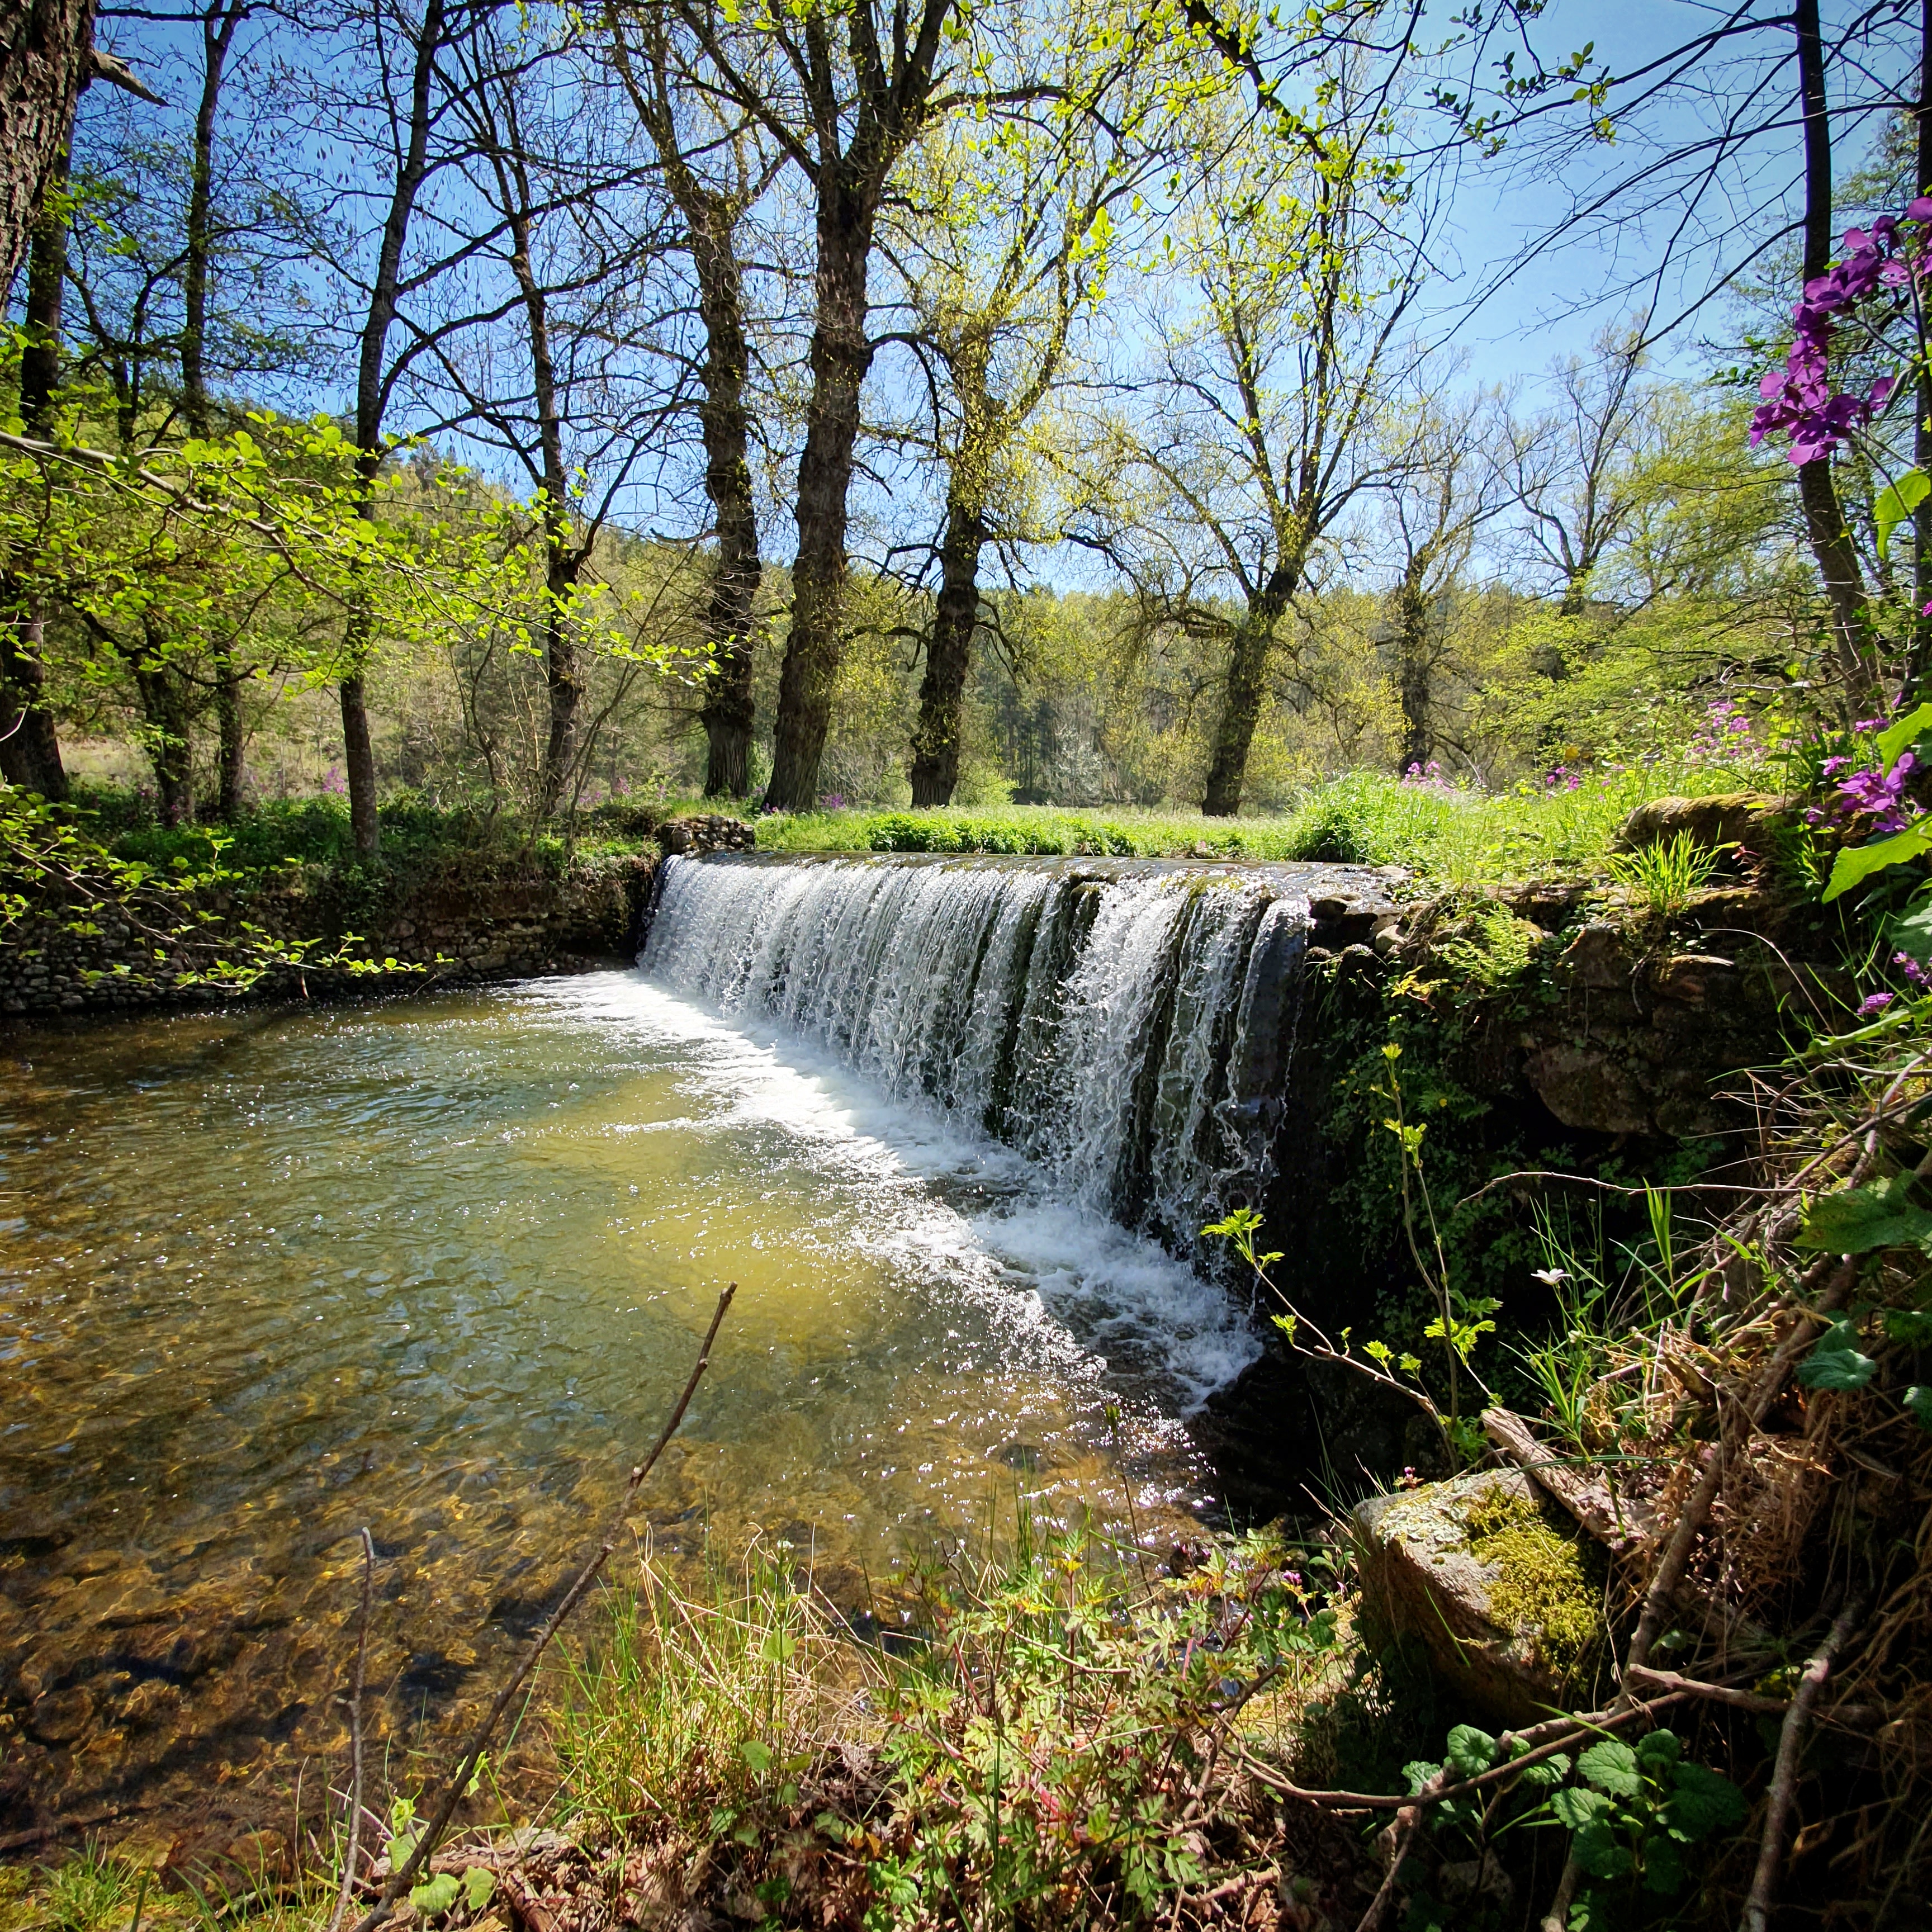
(1667, 873)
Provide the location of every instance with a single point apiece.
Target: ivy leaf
(1860, 1219)
(1601, 1852)
(1703, 1803)
(436, 1896)
(1547, 1774)
(1611, 1766)
(1575, 1809)
(479, 1886)
(1836, 1362)
(1663, 1865)
(1471, 1751)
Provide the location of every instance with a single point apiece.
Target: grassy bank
(1455, 836)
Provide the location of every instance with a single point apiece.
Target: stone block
(1497, 1591)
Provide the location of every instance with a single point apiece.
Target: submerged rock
(1504, 1598)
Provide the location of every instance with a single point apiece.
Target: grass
(1454, 836)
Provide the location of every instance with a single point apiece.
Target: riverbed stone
(1502, 1596)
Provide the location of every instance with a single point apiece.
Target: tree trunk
(358, 755)
(949, 657)
(728, 713)
(217, 35)
(229, 765)
(45, 48)
(358, 767)
(560, 677)
(1831, 545)
(30, 753)
(1412, 663)
(1247, 686)
(841, 355)
(169, 750)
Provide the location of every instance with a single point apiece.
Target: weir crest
(1128, 1026)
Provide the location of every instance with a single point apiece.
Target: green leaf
(1575, 1809)
(1836, 1362)
(756, 1756)
(1611, 1766)
(1904, 731)
(1663, 1865)
(1857, 862)
(1601, 1852)
(436, 1896)
(1911, 932)
(1470, 1750)
(1418, 1774)
(1703, 1803)
(1860, 1219)
(1910, 1327)
(1897, 502)
(1918, 1405)
(479, 1887)
(1660, 1748)
(1547, 1774)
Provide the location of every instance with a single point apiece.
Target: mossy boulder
(1500, 1592)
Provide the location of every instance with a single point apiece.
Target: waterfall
(1125, 1025)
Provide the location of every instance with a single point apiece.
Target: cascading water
(1124, 1026)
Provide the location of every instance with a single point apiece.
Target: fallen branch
(1594, 1504)
(467, 1765)
(1784, 1775)
(355, 1845)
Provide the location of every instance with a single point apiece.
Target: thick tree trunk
(170, 751)
(358, 768)
(1412, 664)
(30, 753)
(1832, 544)
(729, 713)
(841, 354)
(45, 57)
(1247, 686)
(948, 657)
(229, 760)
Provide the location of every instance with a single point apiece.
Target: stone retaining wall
(459, 931)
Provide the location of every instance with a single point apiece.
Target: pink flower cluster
(1798, 399)
(1725, 735)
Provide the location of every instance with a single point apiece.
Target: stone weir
(1126, 1023)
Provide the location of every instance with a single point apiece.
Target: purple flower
(1873, 1003)
(1833, 765)
(1911, 968)
(1879, 796)
(1868, 724)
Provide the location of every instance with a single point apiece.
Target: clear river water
(437, 1265)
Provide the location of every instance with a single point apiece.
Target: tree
(1440, 491)
(1005, 246)
(715, 171)
(847, 93)
(1576, 468)
(1270, 385)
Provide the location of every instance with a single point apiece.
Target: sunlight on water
(438, 1267)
